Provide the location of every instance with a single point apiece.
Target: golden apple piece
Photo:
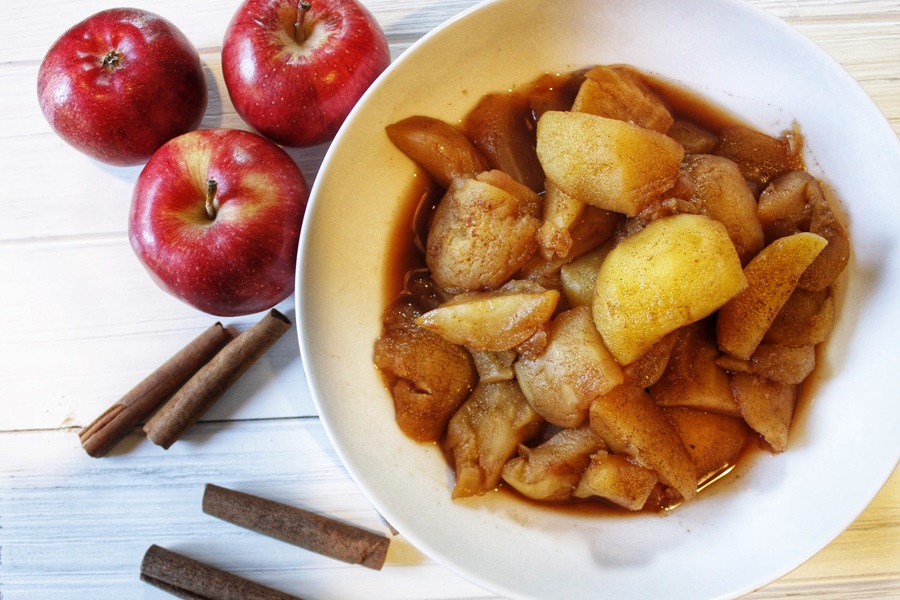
(714, 441)
(493, 321)
(692, 377)
(561, 212)
(723, 195)
(619, 92)
(760, 157)
(772, 277)
(673, 272)
(767, 406)
(485, 433)
(579, 277)
(551, 470)
(574, 368)
(442, 150)
(772, 361)
(482, 232)
(693, 138)
(608, 163)
(648, 369)
(806, 319)
(833, 259)
(631, 423)
(617, 479)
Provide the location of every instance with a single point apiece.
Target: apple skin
(298, 93)
(121, 83)
(240, 261)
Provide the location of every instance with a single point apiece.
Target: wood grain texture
(81, 322)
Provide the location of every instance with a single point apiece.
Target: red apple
(120, 84)
(294, 69)
(215, 218)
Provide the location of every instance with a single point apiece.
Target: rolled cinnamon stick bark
(215, 378)
(118, 420)
(191, 579)
(296, 526)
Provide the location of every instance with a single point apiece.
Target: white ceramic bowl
(786, 507)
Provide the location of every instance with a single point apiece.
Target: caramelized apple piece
(561, 212)
(485, 433)
(590, 231)
(579, 277)
(494, 366)
(573, 368)
(760, 157)
(772, 277)
(482, 234)
(617, 479)
(795, 202)
(619, 92)
(693, 378)
(606, 162)
(675, 271)
(806, 319)
(723, 195)
(429, 377)
(693, 138)
(442, 150)
(495, 320)
(648, 369)
(714, 441)
(500, 127)
(767, 407)
(778, 363)
(631, 423)
(551, 470)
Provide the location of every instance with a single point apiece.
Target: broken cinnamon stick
(215, 378)
(296, 526)
(191, 579)
(118, 420)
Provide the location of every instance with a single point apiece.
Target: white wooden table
(81, 322)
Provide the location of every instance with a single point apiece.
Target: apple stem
(299, 30)
(211, 187)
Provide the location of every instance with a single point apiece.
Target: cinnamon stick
(118, 420)
(296, 526)
(191, 579)
(215, 378)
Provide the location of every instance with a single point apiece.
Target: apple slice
(616, 479)
(772, 277)
(619, 92)
(493, 321)
(572, 370)
(767, 407)
(631, 423)
(606, 162)
(714, 441)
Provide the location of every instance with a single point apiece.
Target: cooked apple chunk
(631, 423)
(485, 433)
(493, 321)
(616, 479)
(618, 92)
(806, 319)
(775, 362)
(442, 150)
(675, 271)
(722, 193)
(482, 232)
(608, 163)
(767, 406)
(579, 277)
(494, 366)
(561, 212)
(429, 377)
(772, 277)
(551, 470)
(714, 441)
(692, 377)
(574, 367)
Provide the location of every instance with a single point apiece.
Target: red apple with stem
(120, 84)
(295, 68)
(215, 218)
